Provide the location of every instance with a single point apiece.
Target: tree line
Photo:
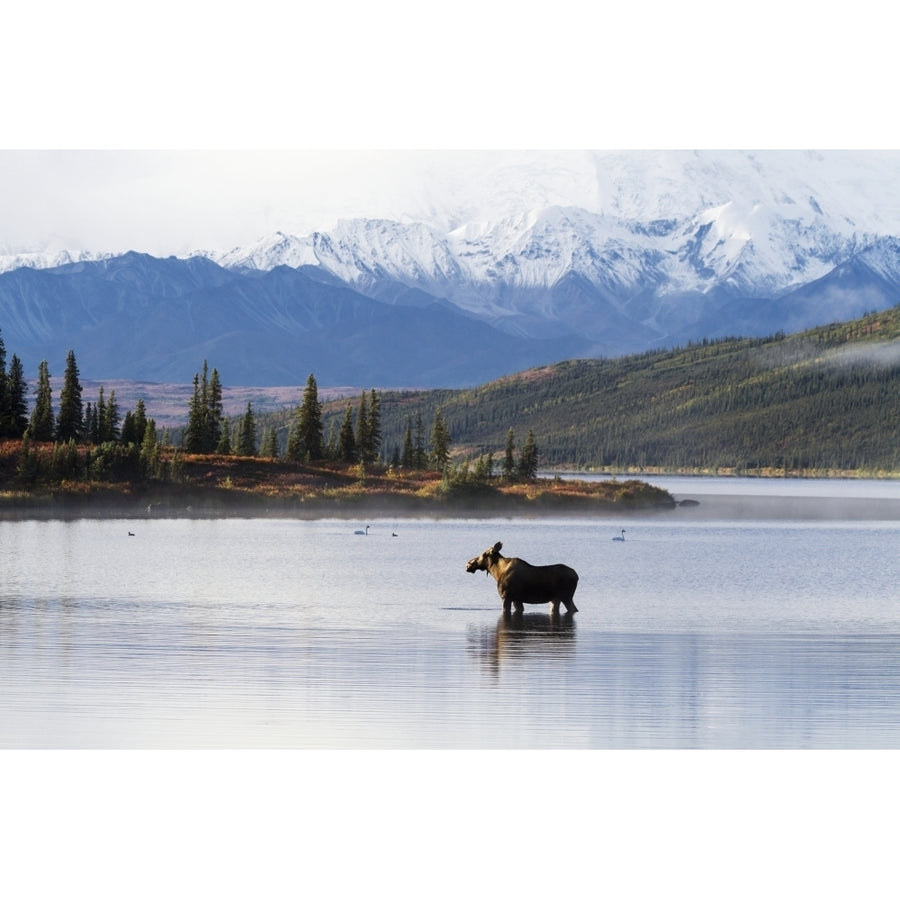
(355, 435)
(94, 440)
(821, 400)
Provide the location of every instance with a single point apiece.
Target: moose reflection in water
(519, 582)
(533, 635)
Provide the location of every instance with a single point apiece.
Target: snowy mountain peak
(608, 252)
(47, 259)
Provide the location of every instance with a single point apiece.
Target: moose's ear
(497, 546)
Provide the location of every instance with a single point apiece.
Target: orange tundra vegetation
(215, 484)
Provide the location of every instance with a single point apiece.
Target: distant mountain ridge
(667, 248)
(139, 318)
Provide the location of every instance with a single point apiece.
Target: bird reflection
(523, 636)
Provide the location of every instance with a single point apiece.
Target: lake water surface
(768, 616)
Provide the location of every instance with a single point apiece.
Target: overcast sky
(362, 77)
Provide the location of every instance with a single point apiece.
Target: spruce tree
(363, 444)
(374, 429)
(408, 458)
(204, 428)
(109, 420)
(346, 438)
(528, 460)
(509, 458)
(294, 448)
(140, 421)
(70, 421)
(223, 448)
(91, 426)
(305, 440)
(17, 406)
(128, 433)
(134, 424)
(203, 384)
(150, 455)
(269, 448)
(40, 427)
(440, 442)
(213, 410)
(333, 447)
(93, 418)
(5, 415)
(247, 441)
(193, 434)
(419, 454)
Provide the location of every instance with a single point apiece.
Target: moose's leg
(570, 605)
(554, 607)
(511, 596)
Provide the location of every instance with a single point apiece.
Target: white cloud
(361, 77)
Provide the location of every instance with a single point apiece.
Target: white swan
(620, 537)
(363, 532)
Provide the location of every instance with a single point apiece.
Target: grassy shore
(243, 486)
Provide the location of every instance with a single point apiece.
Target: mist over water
(751, 620)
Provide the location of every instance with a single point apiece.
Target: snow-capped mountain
(527, 260)
(661, 238)
(47, 259)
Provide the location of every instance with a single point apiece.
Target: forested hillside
(827, 399)
(823, 401)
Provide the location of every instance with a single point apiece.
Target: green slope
(823, 399)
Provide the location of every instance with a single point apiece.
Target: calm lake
(766, 616)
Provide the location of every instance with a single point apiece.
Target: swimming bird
(363, 532)
(620, 537)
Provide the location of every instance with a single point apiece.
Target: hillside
(822, 400)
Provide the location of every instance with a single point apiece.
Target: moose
(519, 582)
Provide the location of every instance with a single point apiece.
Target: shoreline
(697, 509)
(406, 508)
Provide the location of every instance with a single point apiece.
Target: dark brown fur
(519, 582)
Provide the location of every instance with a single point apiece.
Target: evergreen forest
(823, 401)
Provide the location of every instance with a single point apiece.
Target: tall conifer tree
(193, 434)
(440, 442)
(408, 457)
(70, 421)
(17, 405)
(40, 428)
(374, 425)
(346, 439)
(204, 428)
(213, 410)
(224, 448)
(5, 416)
(247, 440)
(306, 437)
(363, 443)
(140, 421)
(269, 448)
(420, 456)
(528, 459)
(109, 420)
(509, 457)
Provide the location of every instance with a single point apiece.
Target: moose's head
(486, 560)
